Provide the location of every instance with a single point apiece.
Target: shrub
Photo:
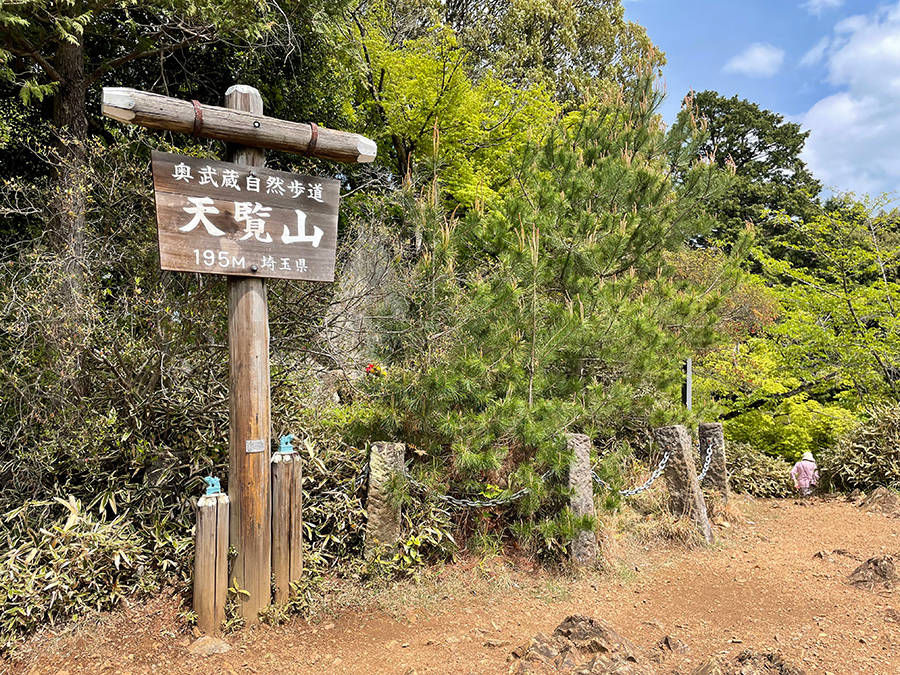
(753, 472)
(792, 427)
(868, 456)
(57, 571)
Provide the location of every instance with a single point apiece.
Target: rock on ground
(882, 500)
(749, 662)
(581, 646)
(879, 572)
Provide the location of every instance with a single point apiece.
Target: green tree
(572, 47)
(840, 324)
(422, 102)
(63, 50)
(555, 308)
(764, 151)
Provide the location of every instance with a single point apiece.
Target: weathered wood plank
(205, 565)
(223, 513)
(297, 238)
(250, 414)
(211, 562)
(249, 128)
(296, 533)
(282, 465)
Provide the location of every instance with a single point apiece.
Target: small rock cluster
(749, 662)
(581, 645)
(875, 573)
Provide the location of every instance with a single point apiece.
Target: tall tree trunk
(68, 201)
(67, 209)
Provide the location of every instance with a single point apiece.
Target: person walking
(805, 474)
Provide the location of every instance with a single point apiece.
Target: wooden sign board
(221, 218)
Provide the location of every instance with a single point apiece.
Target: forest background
(533, 253)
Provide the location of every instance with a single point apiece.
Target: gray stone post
(685, 496)
(383, 527)
(583, 549)
(712, 439)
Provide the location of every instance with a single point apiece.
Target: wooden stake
(249, 410)
(287, 522)
(211, 562)
(249, 128)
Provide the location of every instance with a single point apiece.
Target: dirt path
(762, 585)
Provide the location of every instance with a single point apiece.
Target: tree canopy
(764, 151)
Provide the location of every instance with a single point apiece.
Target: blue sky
(831, 65)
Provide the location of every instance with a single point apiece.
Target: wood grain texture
(292, 208)
(296, 532)
(211, 562)
(283, 467)
(245, 127)
(205, 566)
(223, 521)
(249, 413)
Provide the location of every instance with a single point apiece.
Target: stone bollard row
(583, 549)
(712, 439)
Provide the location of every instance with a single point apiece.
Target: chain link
(653, 476)
(463, 502)
(657, 473)
(706, 462)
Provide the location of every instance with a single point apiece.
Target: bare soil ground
(776, 582)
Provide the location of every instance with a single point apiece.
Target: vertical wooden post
(287, 522)
(211, 562)
(249, 410)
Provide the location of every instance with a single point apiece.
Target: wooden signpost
(247, 222)
(235, 219)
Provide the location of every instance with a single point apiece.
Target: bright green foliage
(553, 310)
(791, 427)
(840, 325)
(767, 407)
(424, 106)
(573, 47)
(869, 456)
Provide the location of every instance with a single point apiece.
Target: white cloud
(758, 60)
(818, 7)
(854, 137)
(816, 54)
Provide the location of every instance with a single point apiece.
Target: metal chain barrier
(646, 486)
(706, 462)
(465, 503)
(653, 476)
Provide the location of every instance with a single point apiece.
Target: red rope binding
(313, 138)
(198, 118)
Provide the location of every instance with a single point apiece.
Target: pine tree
(555, 309)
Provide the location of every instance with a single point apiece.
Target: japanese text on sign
(231, 219)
